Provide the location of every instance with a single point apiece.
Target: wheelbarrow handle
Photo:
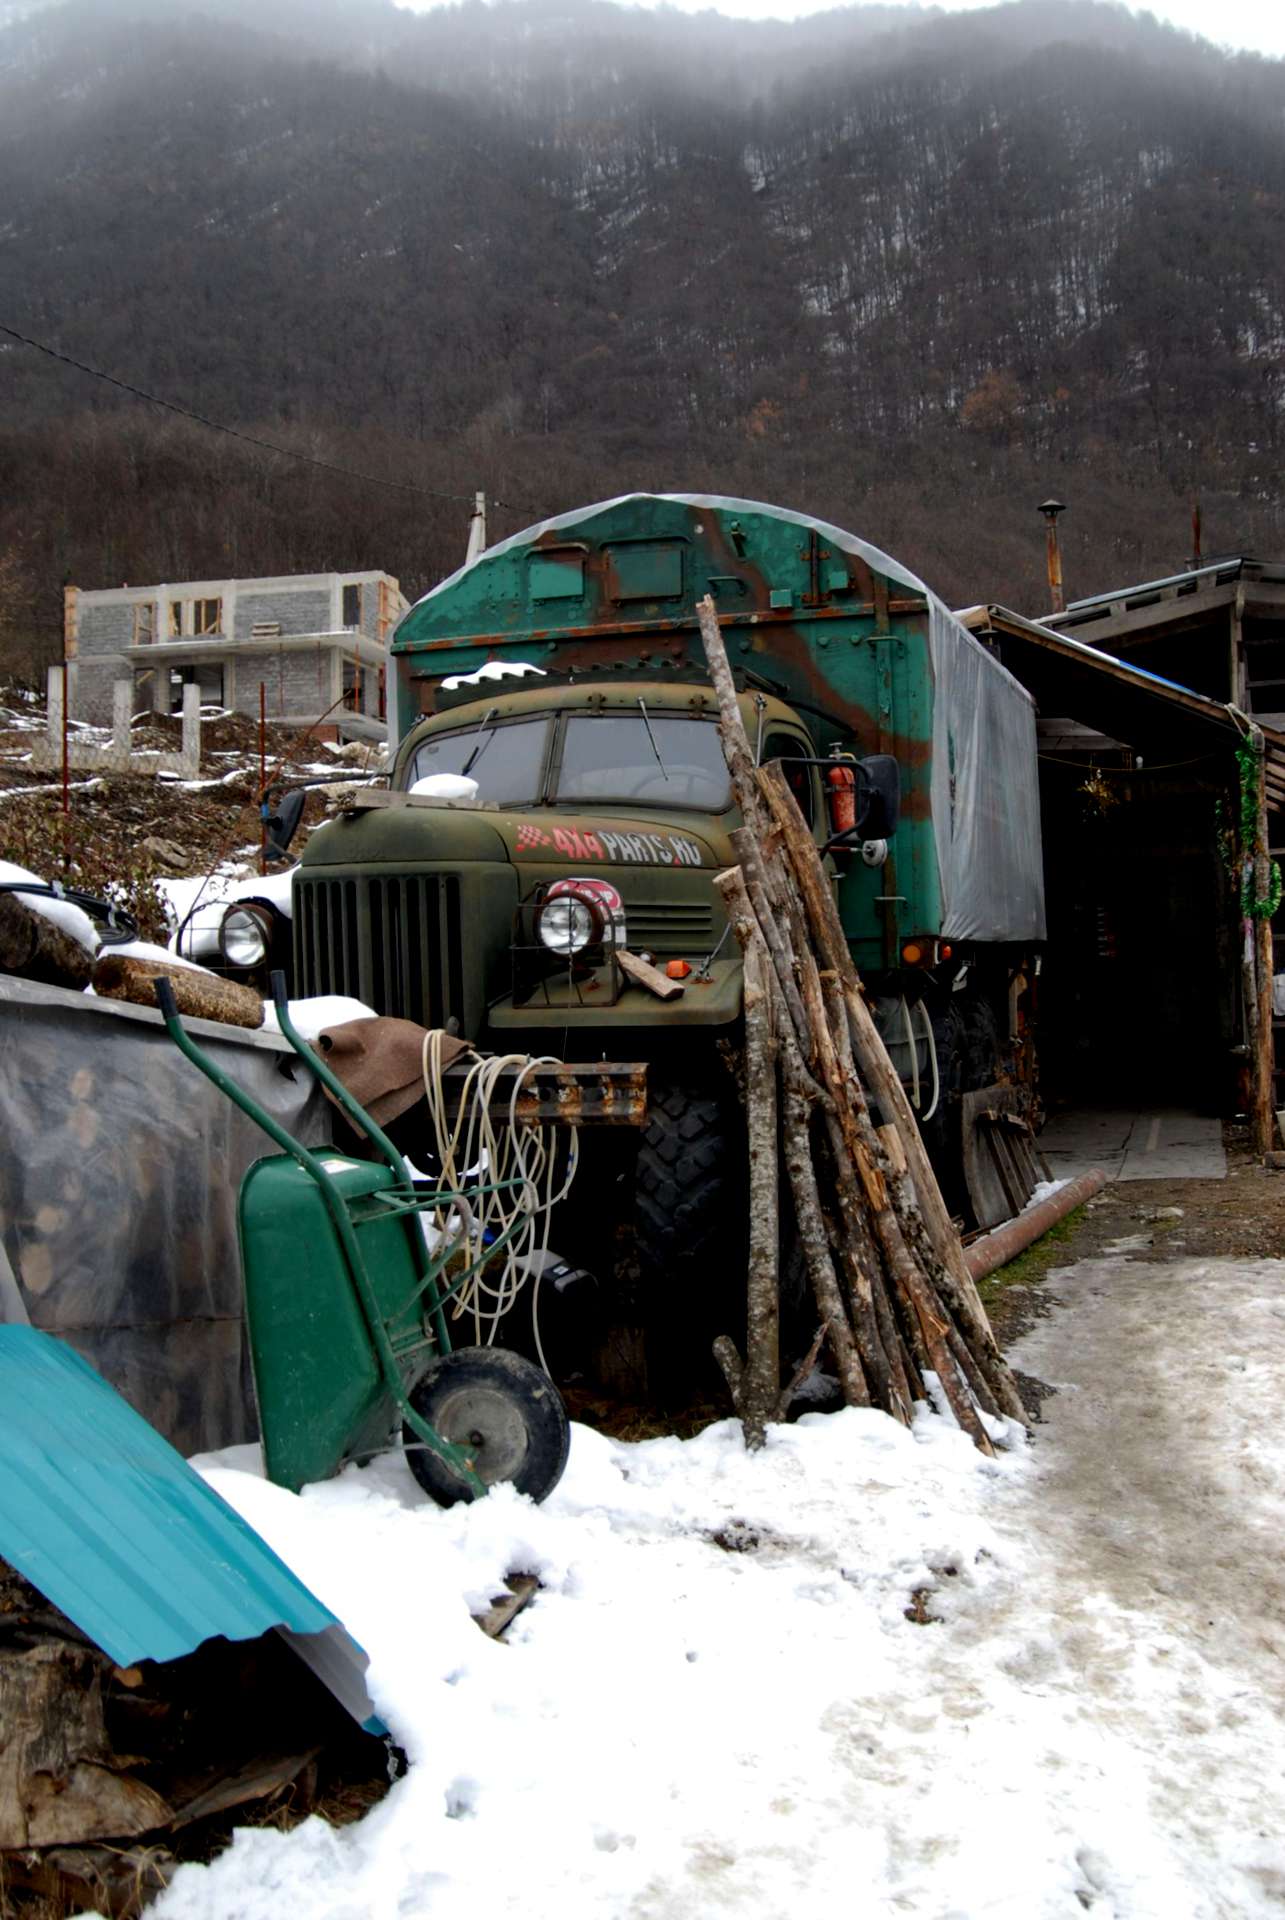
(455, 1457)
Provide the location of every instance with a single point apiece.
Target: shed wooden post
(1263, 1120)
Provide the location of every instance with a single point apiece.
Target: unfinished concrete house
(315, 642)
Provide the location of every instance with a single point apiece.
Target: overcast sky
(1258, 25)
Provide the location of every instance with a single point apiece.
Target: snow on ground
(717, 1705)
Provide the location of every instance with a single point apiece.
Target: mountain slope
(909, 271)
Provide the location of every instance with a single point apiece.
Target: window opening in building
(144, 623)
(207, 616)
(352, 605)
(208, 677)
(176, 619)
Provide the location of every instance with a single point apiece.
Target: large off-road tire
(689, 1217)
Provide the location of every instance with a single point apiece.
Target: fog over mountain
(913, 272)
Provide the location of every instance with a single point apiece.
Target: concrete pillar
(122, 710)
(191, 752)
(53, 699)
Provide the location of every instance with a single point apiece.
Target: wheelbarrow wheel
(503, 1409)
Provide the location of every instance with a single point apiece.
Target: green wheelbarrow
(345, 1304)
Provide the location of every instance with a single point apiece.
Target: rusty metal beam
(597, 1093)
(678, 624)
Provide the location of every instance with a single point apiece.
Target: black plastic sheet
(119, 1170)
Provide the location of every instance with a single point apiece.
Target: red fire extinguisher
(842, 782)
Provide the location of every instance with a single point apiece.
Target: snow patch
(72, 920)
(491, 670)
(311, 1017)
(446, 786)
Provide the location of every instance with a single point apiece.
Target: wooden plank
(522, 1589)
(645, 975)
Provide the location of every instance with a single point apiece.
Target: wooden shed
(1159, 807)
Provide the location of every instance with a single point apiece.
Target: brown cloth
(381, 1062)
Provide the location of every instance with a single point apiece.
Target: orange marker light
(677, 969)
(945, 950)
(912, 953)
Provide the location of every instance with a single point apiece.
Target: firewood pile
(894, 1297)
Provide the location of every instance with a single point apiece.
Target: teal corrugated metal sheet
(111, 1524)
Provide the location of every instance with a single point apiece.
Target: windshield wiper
(651, 736)
(482, 745)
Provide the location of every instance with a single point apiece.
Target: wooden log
(881, 1077)
(746, 849)
(847, 1154)
(201, 996)
(736, 746)
(756, 1387)
(58, 1784)
(31, 945)
(789, 895)
(796, 1147)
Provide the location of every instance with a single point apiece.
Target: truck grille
(670, 926)
(391, 940)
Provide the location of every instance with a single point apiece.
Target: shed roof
(1157, 717)
(1153, 607)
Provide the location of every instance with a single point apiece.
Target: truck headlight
(244, 936)
(568, 921)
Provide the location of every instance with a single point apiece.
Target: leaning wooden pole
(881, 1078)
(756, 1386)
(1264, 1114)
(799, 1093)
(895, 1297)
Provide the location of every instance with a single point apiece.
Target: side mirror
(283, 823)
(879, 797)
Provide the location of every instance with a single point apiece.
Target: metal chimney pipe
(476, 530)
(1051, 509)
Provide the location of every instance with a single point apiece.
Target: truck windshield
(664, 759)
(507, 761)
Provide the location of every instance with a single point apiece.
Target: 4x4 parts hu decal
(634, 849)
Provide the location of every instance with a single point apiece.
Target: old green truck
(559, 793)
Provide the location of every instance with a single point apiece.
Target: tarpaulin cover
(119, 1169)
(985, 791)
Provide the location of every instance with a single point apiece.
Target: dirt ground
(1241, 1217)
(127, 832)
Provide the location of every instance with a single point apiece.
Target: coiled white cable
(476, 1149)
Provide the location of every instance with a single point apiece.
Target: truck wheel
(689, 1226)
(504, 1409)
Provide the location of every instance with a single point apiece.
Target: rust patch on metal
(572, 1094)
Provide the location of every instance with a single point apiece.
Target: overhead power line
(252, 440)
